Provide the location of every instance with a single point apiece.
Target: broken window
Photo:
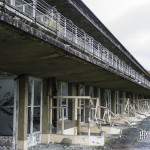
(6, 106)
(34, 105)
(63, 91)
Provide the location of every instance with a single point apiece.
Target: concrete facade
(67, 83)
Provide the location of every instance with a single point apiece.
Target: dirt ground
(130, 140)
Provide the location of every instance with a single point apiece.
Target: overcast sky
(129, 21)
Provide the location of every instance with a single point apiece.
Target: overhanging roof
(84, 18)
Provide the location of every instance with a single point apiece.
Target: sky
(129, 22)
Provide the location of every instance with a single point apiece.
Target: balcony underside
(21, 53)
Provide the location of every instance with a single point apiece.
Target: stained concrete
(63, 147)
(26, 54)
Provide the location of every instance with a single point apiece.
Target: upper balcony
(52, 22)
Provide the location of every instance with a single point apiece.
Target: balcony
(48, 18)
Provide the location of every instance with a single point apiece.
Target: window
(34, 105)
(6, 106)
(63, 91)
(82, 102)
(82, 110)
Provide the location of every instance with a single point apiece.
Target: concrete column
(75, 116)
(74, 93)
(79, 118)
(75, 106)
(62, 121)
(124, 101)
(102, 102)
(117, 103)
(23, 113)
(46, 111)
(99, 96)
(113, 104)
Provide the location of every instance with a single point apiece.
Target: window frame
(32, 106)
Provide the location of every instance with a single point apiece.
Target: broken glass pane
(6, 106)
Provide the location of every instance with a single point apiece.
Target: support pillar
(113, 104)
(117, 102)
(79, 118)
(75, 115)
(23, 113)
(124, 101)
(46, 111)
(62, 121)
(102, 102)
(75, 107)
(99, 98)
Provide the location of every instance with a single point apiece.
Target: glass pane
(82, 102)
(64, 87)
(6, 106)
(82, 90)
(30, 91)
(65, 112)
(6, 121)
(59, 88)
(36, 119)
(64, 102)
(82, 115)
(6, 92)
(37, 92)
(91, 92)
(29, 119)
(86, 90)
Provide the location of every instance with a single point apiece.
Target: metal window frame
(32, 106)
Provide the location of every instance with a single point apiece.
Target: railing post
(65, 27)
(34, 8)
(51, 18)
(100, 51)
(12, 2)
(76, 35)
(84, 41)
(58, 23)
(92, 47)
(72, 31)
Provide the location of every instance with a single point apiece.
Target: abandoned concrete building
(62, 74)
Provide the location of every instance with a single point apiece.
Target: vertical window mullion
(32, 108)
(41, 107)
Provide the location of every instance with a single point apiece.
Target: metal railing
(43, 14)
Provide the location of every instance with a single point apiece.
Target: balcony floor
(21, 53)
